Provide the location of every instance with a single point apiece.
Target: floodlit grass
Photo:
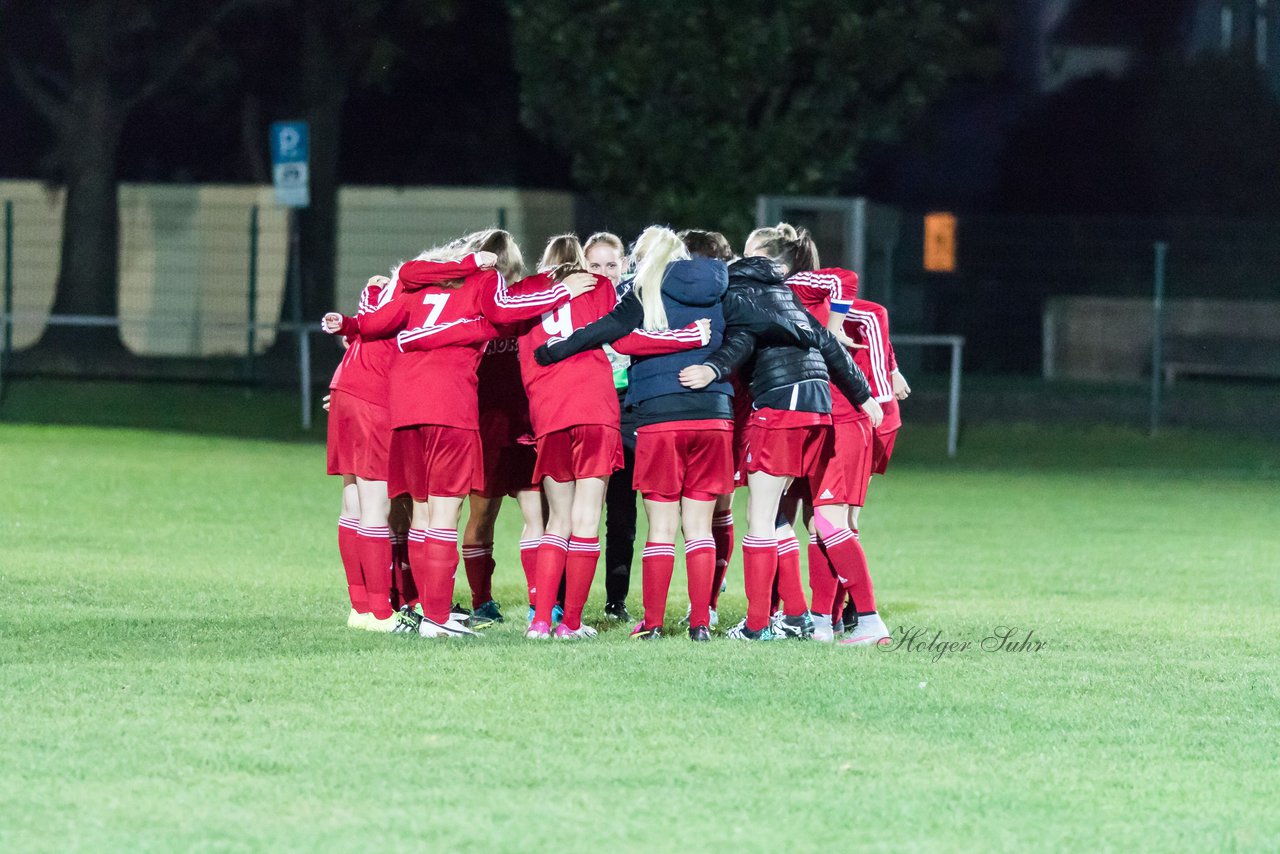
(177, 675)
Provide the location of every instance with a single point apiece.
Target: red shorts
(432, 460)
(587, 450)
(882, 448)
(789, 451)
(508, 469)
(359, 437)
(684, 459)
(849, 471)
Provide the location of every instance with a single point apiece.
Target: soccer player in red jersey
(789, 436)
(358, 436)
(684, 444)
(438, 317)
(506, 443)
(866, 325)
(576, 421)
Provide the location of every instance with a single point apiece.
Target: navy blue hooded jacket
(691, 290)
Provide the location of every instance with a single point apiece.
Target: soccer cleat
(386, 626)
(741, 632)
(450, 628)
(583, 632)
(557, 613)
(699, 633)
(643, 632)
(541, 630)
(356, 620)
(822, 630)
(459, 613)
(837, 627)
(529, 619)
(617, 611)
(486, 615)
(684, 621)
(407, 620)
(799, 627)
(869, 631)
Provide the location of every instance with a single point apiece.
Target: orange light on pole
(940, 242)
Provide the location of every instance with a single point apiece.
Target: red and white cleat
(583, 632)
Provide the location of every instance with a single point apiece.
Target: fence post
(6, 354)
(1157, 336)
(252, 333)
(953, 414)
(304, 338)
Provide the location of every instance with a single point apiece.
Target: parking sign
(289, 151)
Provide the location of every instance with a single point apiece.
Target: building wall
(184, 252)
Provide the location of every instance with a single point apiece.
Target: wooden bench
(1222, 357)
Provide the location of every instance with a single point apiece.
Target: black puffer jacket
(765, 320)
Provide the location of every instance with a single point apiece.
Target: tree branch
(178, 59)
(49, 105)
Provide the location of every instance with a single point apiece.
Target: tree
(685, 111)
(86, 65)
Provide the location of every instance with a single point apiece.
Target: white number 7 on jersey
(436, 301)
(558, 323)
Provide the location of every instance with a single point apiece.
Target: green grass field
(177, 675)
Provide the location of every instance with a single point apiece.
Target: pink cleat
(539, 630)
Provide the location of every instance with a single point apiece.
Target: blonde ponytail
(657, 247)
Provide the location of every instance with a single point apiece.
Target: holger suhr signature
(922, 639)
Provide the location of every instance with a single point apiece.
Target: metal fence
(202, 283)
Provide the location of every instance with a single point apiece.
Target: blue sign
(289, 150)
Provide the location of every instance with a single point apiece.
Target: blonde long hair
(656, 248)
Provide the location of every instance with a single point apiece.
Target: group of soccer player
(464, 379)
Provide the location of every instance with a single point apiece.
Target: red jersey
(364, 367)
(580, 389)
(868, 323)
(817, 290)
(440, 334)
(504, 407)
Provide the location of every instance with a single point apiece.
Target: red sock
(722, 533)
(837, 602)
(822, 581)
(553, 552)
(375, 562)
(657, 563)
(850, 562)
(417, 549)
(349, 551)
(790, 587)
(478, 560)
(436, 586)
(759, 563)
(580, 571)
(529, 563)
(700, 564)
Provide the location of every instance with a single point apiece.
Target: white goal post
(842, 228)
